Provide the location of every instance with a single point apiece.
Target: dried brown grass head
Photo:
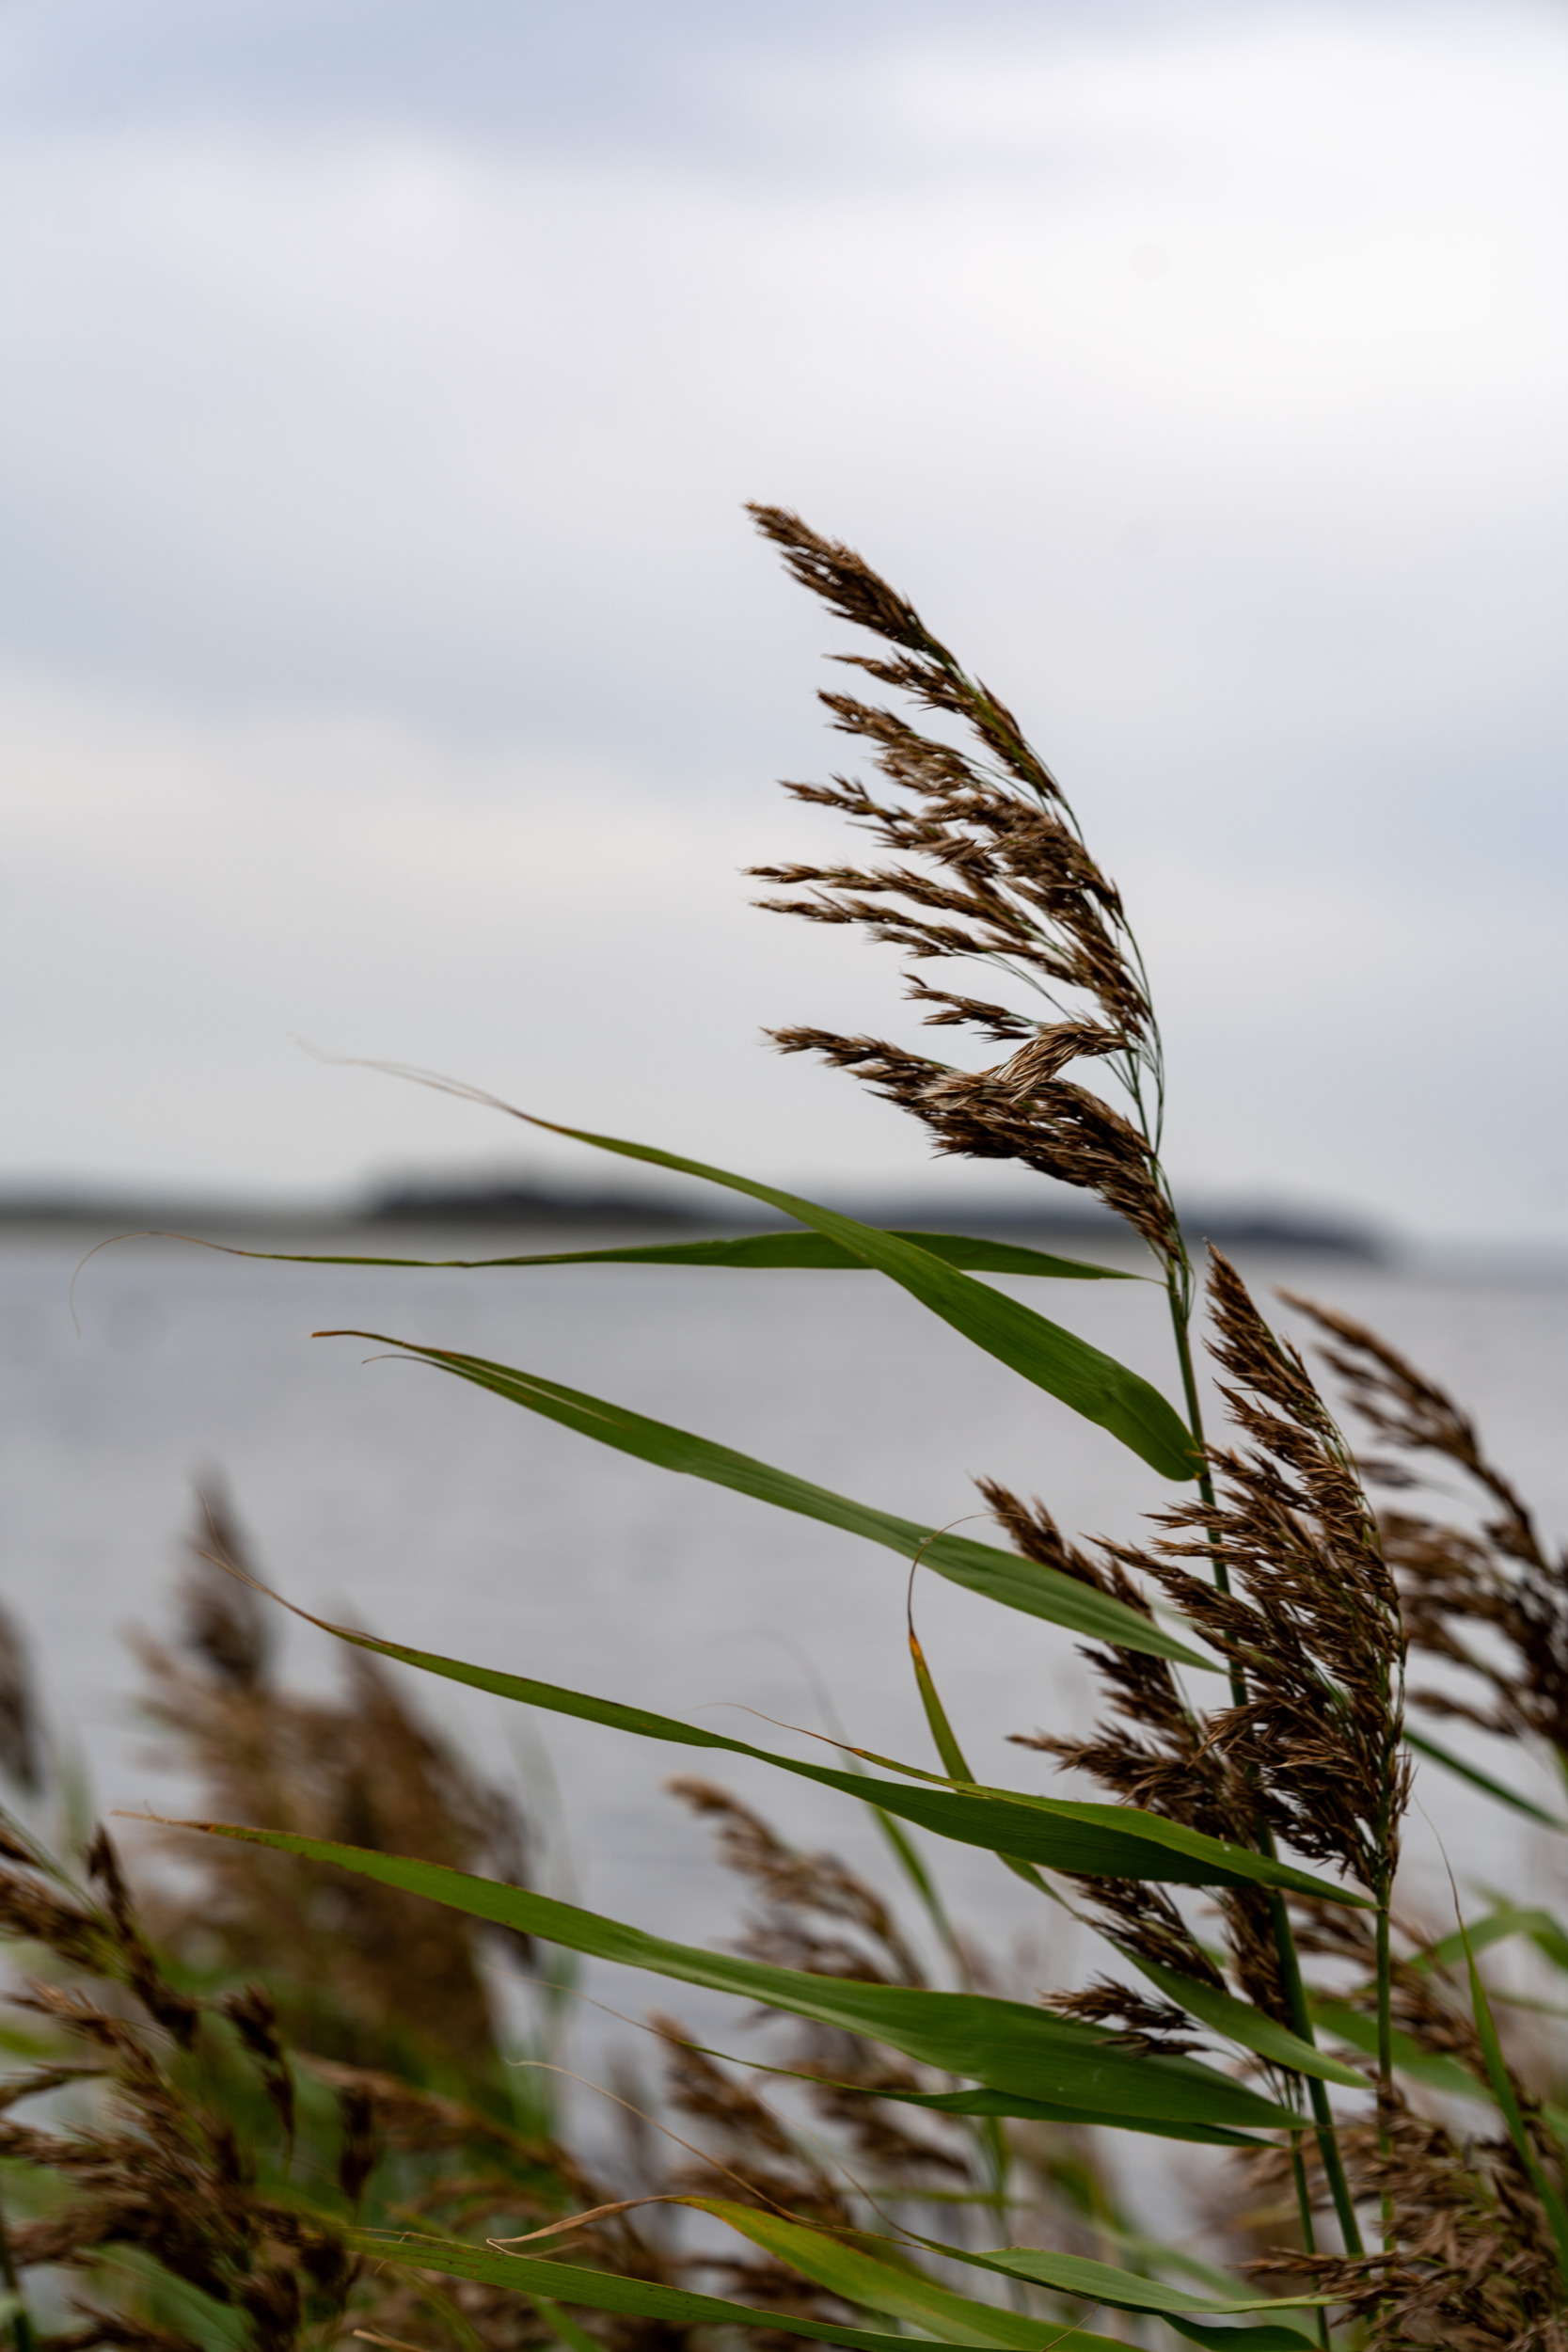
(851, 2077)
(1153, 1751)
(1312, 1618)
(1474, 2265)
(223, 1625)
(21, 1729)
(991, 869)
(793, 1883)
(160, 2166)
(1480, 1569)
(361, 1971)
(1304, 1611)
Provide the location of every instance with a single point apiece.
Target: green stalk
(1308, 2236)
(1384, 2053)
(1284, 1934)
(1317, 2092)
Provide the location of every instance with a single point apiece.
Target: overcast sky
(384, 658)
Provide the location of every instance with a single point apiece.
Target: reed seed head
(989, 867)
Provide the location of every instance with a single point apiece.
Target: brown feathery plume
(1312, 1620)
(224, 1626)
(174, 2011)
(791, 1881)
(1473, 2257)
(168, 2161)
(21, 1737)
(1156, 1753)
(851, 2075)
(159, 2170)
(253, 2013)
(991, 867)
(1456, 1578)
(1308, 1616)
(1051, 2171)
(186, 2140)
(361, 2147)
(1141, 2023)
(1476, 2266)
(754, 2153)
(359, 1969)
(755, 2160)
(1302, 1608)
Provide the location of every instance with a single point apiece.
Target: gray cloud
(392, 378)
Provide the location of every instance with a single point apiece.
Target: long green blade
(1003, 2045)
(1095, 1840)
(1435, 2068)
(1502, 2090)
(998, 2103)
(1044, 2111)
(1239, 2022)
(1544, 1931)
(849, 2270)
(803, 1251)
(1122, 2290)
(863, 2276)
(1478, 1779)
(643, 2298)
(1078, 1375)
(1229, 2338)
(1002, 1576)
(994, 2102)
(953, 1760)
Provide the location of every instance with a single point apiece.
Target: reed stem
(1308, 2235)
(1385, 2053)
(1317, 2092)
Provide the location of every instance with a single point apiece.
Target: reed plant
(224, 2070)
(233, 2064)
(1234, 1835)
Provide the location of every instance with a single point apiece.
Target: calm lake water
(398, 1498)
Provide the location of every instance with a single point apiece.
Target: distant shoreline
(493, 1209)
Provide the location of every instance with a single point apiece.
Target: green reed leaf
(643, 2298)
(1003, 2045)
(1232, 2339)
(202, 2317)
(1228, 2338)
(1239, 2022)
(1503, 2091)
(1013, 2102)
(847, 2269)
(1121, 2290)
(986, 2105)
(575, 2337)
(1045, 2111)
(943, 1737)
(1478, 1779)
(1498, 1927)
(953, 1758)
(1435, 2068)
(803, 1251)
(1058, 1833)
(1005, 1577)
(861, 2275)
(1078, 1375)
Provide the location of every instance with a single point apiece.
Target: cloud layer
(385, 658)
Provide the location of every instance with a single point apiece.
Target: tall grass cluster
(276, 2110)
